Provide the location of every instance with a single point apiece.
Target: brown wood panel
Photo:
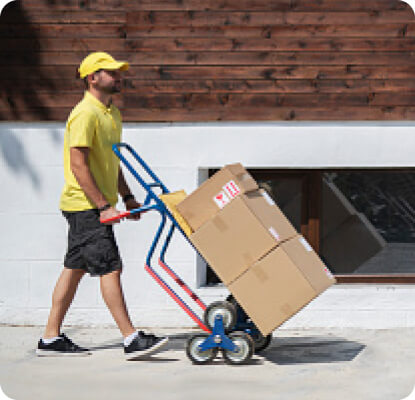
(254, 44)
(272, 73)
(227, 114)
(218, 58)
(268, 31)
(208, 18)
(213, 72)
(41, 31)
(313, 100)
(276, 86)
(280, 5)
(17, 15)
(107, 5)
(271, 114)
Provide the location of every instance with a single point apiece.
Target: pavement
(307, 364)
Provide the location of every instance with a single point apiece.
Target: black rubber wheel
(261, 342)
(223, 308)
(193, 352)
(245, 349)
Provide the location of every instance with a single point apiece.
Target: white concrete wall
(33, 233)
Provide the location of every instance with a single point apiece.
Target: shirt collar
(92, 99)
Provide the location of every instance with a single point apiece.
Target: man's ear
(92, 78)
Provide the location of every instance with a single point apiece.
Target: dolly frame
(153, 202)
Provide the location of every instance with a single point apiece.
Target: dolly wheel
(223, 308)
(195, 354)
(261, 342)
(244, 351)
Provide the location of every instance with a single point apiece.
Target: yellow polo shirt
(92, 124)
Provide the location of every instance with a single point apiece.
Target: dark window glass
(367, 222)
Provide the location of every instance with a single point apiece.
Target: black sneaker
(61, 347)
(143, 345)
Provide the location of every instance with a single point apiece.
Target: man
(93, 179)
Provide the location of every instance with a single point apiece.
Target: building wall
(232, 60)
(32, 231)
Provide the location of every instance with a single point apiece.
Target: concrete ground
(300, 364)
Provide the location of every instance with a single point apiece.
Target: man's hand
(109, 213)
(132, 204)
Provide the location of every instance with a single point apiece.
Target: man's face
(107, 81)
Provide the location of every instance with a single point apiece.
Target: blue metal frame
(218, 338)
(164, 214)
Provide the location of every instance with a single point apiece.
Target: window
(361, 222)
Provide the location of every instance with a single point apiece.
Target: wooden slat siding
(239, 31)
(69, 86)
(269, 18)
(71, 31)
(266, 5)
(216, 44)
(53, 16)
(228, 114)
(276, 86)
(251, 58)
(167, 73)
(204, 60)
(313, 100)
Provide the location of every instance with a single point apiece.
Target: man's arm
(82, 173)
(124, 190)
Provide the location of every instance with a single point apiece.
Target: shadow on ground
(309, 350)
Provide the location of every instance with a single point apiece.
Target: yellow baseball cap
(100, 60)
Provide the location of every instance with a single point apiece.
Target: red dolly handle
(116, 218)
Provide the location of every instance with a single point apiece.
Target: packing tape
(220, 224)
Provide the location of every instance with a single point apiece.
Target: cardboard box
(241, 233)
(215, 193)
(281, 283)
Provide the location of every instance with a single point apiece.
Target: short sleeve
(81, 129)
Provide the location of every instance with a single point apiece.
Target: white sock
(51, 340)
(130, 338)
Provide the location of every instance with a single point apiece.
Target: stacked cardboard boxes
(270, 269)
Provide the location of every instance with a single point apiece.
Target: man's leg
(62, 297)
(114, 299)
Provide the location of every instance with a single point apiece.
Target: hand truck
(227, 327)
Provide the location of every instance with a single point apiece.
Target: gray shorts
(91, 245)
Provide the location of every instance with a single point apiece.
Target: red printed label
(221, 199)
(231, 189)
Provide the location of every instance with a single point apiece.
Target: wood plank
(210, 44)
(272, 114)
(238, 114)
(276, 86)
(53, 73)
(52, 16)
(47, 100)
(254, 58)
(268, 18)
(280, 5)
(255, 101)
(268, 31)
(284, 86)
(40, 31)
(272, 73)
(107, 5)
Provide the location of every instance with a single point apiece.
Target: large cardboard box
(215, 193)
(241, 233)
(281, 283)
